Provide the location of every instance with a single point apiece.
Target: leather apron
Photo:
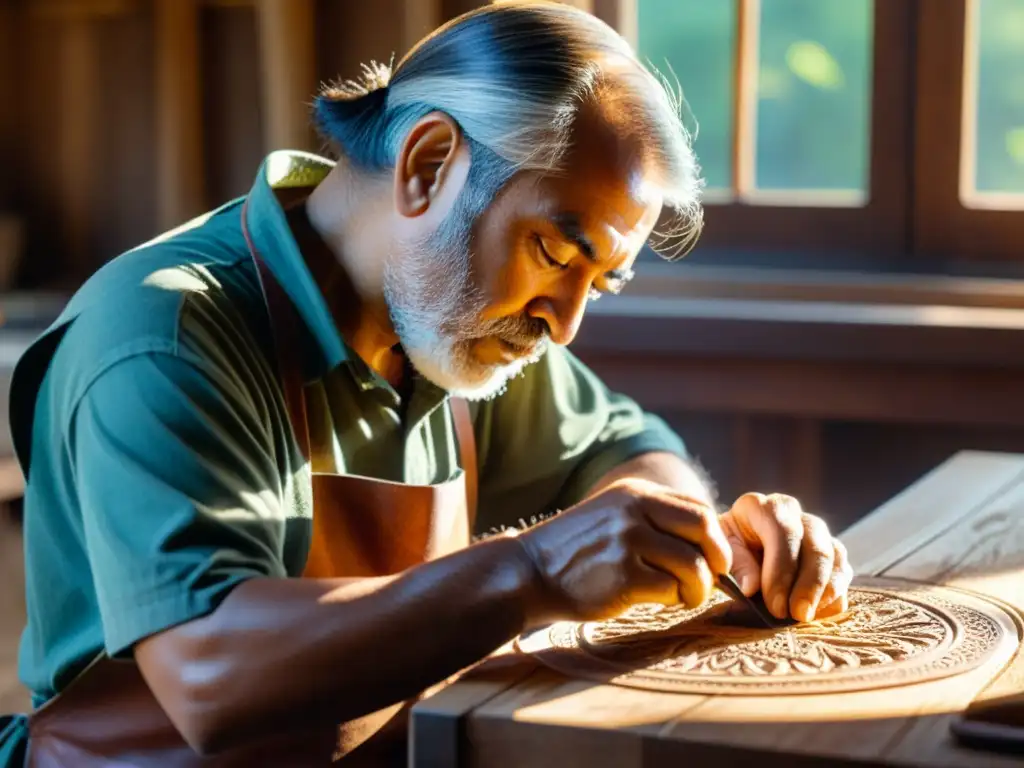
(361, 527)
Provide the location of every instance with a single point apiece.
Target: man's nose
(563, 315)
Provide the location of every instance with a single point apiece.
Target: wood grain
(78, 134)
(180, 172)
(437, 723)
(287, 37)
(621, 15)
(419, 18)
(10, 93)
(962, 525)
(929, 510)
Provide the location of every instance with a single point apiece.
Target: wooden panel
(803, 283)
(179, 126)
(232, 115)
(903, 394)
(930, 509)
(11, 36)
(583, 5)
(125, 183)
(80, 10)
(368, 30)
(287, 71)
(620, 15)
(778, 455)
(419, 18)
(437, 725)
(452, 8)
(860, 466)
(984, 553)
(865, 465)
(795, 330)
(79, 88)
(40, 119)
(983, 550)
(550, 720)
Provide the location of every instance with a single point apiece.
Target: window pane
(999, 135)
(695, 40)
(814, 95)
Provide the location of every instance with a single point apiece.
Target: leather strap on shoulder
(284, 322)
(463, 422)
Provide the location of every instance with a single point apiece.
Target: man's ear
(426, 163)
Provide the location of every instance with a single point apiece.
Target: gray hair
(514, 75)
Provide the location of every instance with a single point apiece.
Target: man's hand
(787, 554)
(638, 541)
(634, 541)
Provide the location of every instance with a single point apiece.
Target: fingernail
(804, 610)
(747, 584)
(780, 606)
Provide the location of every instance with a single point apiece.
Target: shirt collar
(273, 240)
(272, 237)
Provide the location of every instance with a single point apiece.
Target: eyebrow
(569, 225)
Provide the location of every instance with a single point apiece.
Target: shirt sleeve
(552, 435)
(179, 489)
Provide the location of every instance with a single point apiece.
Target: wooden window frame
(914, 212)
(878, 224)
(945, 228)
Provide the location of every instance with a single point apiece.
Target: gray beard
(435, 308)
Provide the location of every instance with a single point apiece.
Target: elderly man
(252, 446)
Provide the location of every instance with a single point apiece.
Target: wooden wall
(120, 118)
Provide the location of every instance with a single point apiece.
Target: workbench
(961, 526)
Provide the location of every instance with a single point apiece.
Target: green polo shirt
(162, 469)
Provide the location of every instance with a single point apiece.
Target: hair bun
(347, 110)
(372, 82)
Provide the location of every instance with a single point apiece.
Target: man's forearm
(280, 652)
(664, 468)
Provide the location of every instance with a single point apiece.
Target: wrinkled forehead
(614, 213)
(606, 182)
(607, 170)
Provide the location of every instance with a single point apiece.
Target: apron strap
(467, 453)
(284, 325)
(284, 331)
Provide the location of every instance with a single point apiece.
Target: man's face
(481, 299)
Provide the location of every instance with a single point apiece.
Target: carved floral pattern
(884, 639)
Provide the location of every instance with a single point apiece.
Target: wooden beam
(287, 36)
(9, 117)
(80, 10)
(180, 177)
(621, 15)
(79, 86)
(744, 162)
(419, 19)
(583, 5)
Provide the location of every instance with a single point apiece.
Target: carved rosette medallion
(887, 638)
